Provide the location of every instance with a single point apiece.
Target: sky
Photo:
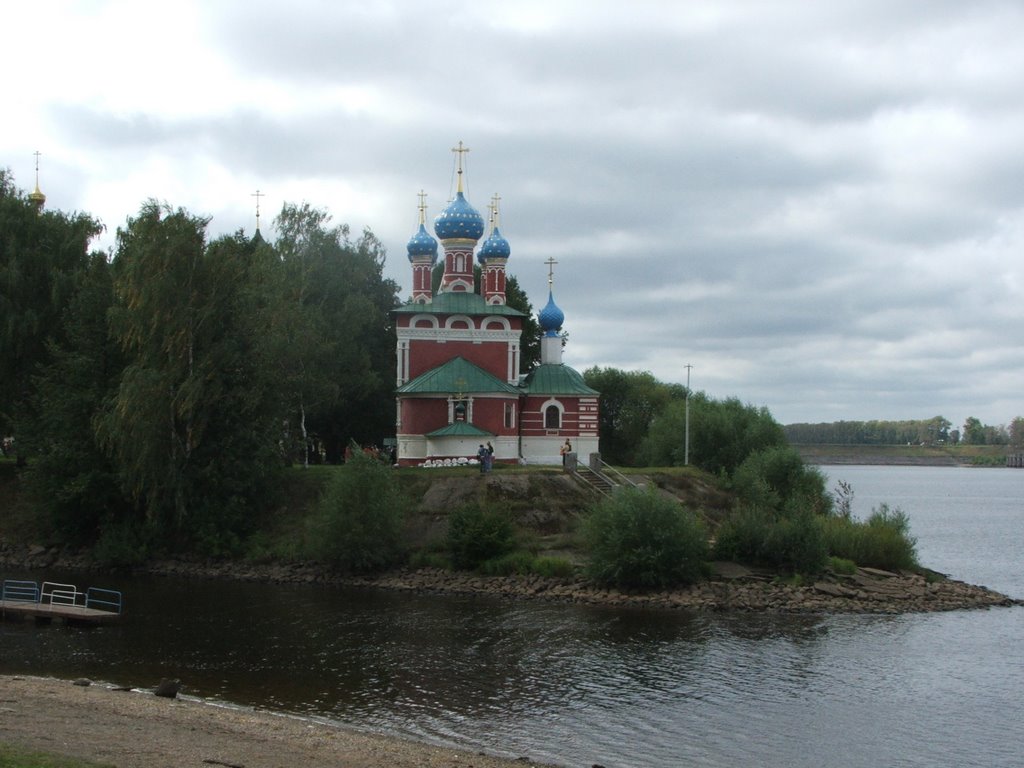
(817, 206)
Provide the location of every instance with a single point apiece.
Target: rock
(84, 682)
(168, 689)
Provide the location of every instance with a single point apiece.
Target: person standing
(566, 450)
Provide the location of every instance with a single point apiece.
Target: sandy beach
(135, 729)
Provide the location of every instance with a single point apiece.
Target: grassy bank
(905, 455)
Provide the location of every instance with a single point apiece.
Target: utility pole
(686, 449)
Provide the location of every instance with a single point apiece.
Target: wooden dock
(27, 599)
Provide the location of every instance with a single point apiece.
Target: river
(582, 685)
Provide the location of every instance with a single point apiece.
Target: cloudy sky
(817, 205)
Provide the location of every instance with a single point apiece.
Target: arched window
(552, 417)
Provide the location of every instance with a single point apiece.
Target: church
(458, 382)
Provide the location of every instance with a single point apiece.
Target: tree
(76, 483)
(723, 433)
(334, 339)
(1016, 432)
(630, 401)
(974, 431)
(192, 427)
(42, 257)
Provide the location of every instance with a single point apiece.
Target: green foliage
(333, 343)
(74, 481)
(477, 533)
(915, 431)
(519, 562)
(630, 402)
(122, 543)
(882, 541)
(796, 544)
(723, 433)
(360, 517)
(760, 537)
(524, 563)
(15, 757)
(553, 567)
(841, 565)
(776, 478)
(42, 257)
(741, 536)
(642, 539)
(193, 425)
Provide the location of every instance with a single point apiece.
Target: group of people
(486, 457)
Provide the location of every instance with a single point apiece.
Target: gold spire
(459, 151)
(37, 198)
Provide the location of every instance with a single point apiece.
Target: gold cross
(459, 152)
(38, 154)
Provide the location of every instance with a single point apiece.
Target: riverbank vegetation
(192, 398)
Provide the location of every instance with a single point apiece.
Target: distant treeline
(914, 431)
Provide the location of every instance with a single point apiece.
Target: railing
(62, 595)
(611, 472)
(104, 599)
(20, 591)
(59, 594)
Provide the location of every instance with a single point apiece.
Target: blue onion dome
(459, 220)
(494, 247)
(551, 317)
(422, 244)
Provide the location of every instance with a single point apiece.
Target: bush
(796, 544)
(883, 541)
(777, 478)
(757, 536)
(360, 517)
(641, 539)
(841, 565)
(553, 567)
(741, 536)
(477, 533)
(523, 563)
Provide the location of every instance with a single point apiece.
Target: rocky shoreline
(732, 587)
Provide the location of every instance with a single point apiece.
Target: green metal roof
(461, 303)
(457, 375)
(460, 429)
(552, 379)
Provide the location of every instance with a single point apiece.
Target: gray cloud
(817, 205)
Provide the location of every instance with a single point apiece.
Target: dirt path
(130, 729)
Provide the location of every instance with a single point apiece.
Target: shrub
(553, 567)
(883, 541)
(842, 565)
(797, 544)
(778, 479)
(477, 533)
(519, 562)
(641, 539)
(741, 536)
(360, 517)
(757, 536)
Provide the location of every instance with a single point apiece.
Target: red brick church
(458, 380)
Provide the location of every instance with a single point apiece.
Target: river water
(582, 685)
